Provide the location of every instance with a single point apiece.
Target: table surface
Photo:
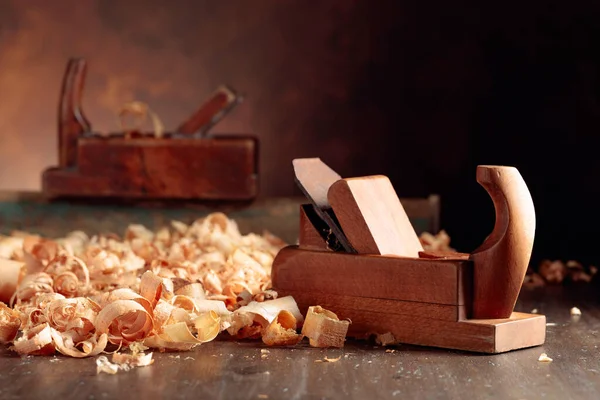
(232, 370)
(239, 370)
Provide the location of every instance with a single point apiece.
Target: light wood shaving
(323, 328)
(172, 289)
(575, 311)
(282, 330)
(544, 358)
(385, 339)
(438, 242)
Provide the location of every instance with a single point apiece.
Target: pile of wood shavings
(169, 290)
(558, 272)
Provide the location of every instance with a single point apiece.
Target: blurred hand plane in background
(187, 164)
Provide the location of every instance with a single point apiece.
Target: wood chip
(544, 358)
(282, 331)
(323, 328)
(385, 339)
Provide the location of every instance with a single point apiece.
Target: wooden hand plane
(187, 164)
(359, 256)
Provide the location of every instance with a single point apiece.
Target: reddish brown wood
(408, 308)
(418, 301)
(444, 255)
(427, 300)
(72, 123)
(213, 169)
(210, 112)
(501, 261)
(398, 278)
(142, 166)
(372, 216)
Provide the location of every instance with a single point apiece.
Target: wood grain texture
(501, 262)
(372, 217)
(220, 168)
(491, 336)
(72, 122)
(420, 280)
(308, 236)
(428, 324)
(408, 308)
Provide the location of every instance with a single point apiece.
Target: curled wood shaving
(575, 311)
(282, 330)
(323, 328)
(10, 322)
(173, 289)
(544, 358)
(331, 360)
(252, 320)
(437, 242)
(139, 113)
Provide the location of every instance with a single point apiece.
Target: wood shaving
(557, 272)
(533, 280)
(282, 330)
(12, 273)
(437, 242)
(170, 290)
(330, 360)
(385, 339)
(103, 365)
(544, 358)
(138, 112)
(10, 323)
(122, 362)
(575, 311)
(553, 271)
(323, 328)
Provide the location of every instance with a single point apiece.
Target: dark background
(419, 91)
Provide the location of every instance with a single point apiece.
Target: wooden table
(232, 370)
(238, 370)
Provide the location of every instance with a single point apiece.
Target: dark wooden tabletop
(239, 370)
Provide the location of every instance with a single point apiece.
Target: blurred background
(420, 92)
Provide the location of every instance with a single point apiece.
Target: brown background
(420, 92)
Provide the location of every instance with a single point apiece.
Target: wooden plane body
(448, 300)
(187, 164)
(187, 168)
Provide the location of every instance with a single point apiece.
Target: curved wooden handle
(72, 123)
(500, 263)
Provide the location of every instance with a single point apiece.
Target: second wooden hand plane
(377, 275)
(188, 164)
